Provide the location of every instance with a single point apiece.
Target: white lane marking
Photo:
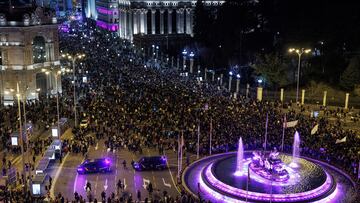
(106, 184)
(172, 178)
(145, 183)
(57, 176)
(84, 185)
(76, 177)
(125, 184)
(166, 184)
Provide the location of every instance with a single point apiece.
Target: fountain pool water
(296, 151)
(240, 159)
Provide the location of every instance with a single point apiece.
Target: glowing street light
(73, 59)
(184, 59)
(237, 83)
(230, 79)
(191, 55)
(299, 52)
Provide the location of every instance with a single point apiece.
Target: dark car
(95, 166)
(150, 163)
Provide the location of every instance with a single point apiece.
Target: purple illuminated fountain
(262, 176)
(240, 159)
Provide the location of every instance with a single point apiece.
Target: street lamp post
(2, 91)
(184, 59)
(230, 79)
(205, 72)
(299, 52)
(237, 83)
(57, 103)
(191, 61)
(157, 52)
(26, 133)
(47, 82)
(21, 135)
(73, 60)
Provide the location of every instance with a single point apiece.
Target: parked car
(150, 163)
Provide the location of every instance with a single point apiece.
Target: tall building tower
(107, 15)
(29, 52)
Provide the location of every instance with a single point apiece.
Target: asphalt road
(67, 181)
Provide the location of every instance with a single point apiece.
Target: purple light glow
(263, 196)
(107, 26)
(106, 11)
(107, 161)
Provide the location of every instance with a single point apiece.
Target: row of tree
(258, 33)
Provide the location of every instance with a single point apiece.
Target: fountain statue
(240, 158)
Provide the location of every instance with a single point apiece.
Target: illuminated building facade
(158, 17)
(29, 53)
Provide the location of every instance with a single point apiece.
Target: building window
(39, 52)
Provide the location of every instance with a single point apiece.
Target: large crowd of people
(132, 105)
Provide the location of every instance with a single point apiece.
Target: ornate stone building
(161, 17)
(29, 52)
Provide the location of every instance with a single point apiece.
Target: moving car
(95, 166)
(150, 163)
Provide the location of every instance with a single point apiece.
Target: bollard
(346, 100)
(247, 90)
(324, 98)
(205, 72)
(191, 65)
(259, 93)
(221, 79)
(282, 94)
(302, 97)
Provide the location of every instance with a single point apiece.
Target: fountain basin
(311, 182)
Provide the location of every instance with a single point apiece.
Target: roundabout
(265, 177)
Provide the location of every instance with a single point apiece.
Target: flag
(340, 141)
(291, 124)
(315, 129)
